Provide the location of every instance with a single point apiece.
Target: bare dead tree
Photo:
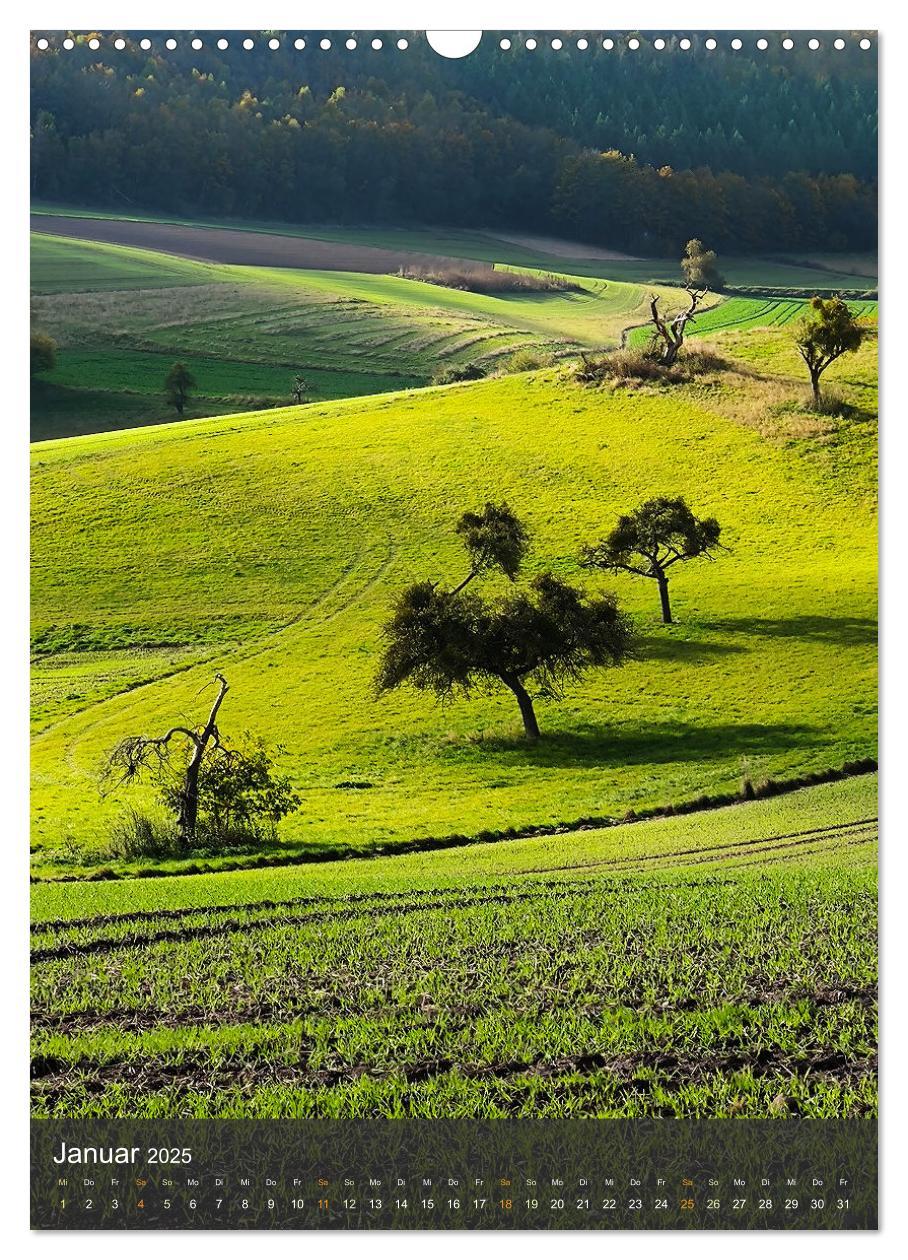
(137, 753)
(672, 331)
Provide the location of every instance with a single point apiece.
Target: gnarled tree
(447, 642)
(670, 332)
(190, 745)
(648, 541)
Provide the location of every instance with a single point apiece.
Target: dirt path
(237, 247)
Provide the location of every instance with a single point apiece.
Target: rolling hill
(121, 315)
(270, 545)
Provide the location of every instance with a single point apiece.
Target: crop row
(643, 997)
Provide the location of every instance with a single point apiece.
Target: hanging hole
(583, 44)
(403, 44)
(684, 44)
(376, 44)
(299, 44)
(453, 44)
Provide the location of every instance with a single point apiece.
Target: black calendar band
(440, 1174)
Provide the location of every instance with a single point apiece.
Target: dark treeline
(637, 151)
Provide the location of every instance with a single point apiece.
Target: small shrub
(458, 372)
(489, 279)
(630, 366)
(135, 835)
(528, 360)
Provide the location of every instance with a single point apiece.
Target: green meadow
(270, 545)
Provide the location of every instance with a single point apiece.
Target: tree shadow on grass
(840, 631)
(612, 746)
(666, 647)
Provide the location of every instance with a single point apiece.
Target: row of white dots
(557, 44)
(221, 43)
(633, 43)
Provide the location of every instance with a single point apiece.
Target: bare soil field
(251, 249)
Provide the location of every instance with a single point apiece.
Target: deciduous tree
(828, 331)
(648, 541)
(536, 640)
(701, 267)
(178, 385)
(43, 356)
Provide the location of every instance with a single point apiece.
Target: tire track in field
(196, 1073)
(235, 655)
(813, 834)
(412, 901)
(202, 931)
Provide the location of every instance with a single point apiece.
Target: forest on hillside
(635, 151)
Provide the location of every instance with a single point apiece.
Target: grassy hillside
(721, 965)
(122, 315)
(270, 546)
(825, 271)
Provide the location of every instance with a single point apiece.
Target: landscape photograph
(453, 576)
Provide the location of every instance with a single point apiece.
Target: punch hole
(453, 44)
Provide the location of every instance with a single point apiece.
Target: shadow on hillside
(844, 631)
(607, 745)
(662, 647)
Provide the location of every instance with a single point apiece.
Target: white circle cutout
(454, 43)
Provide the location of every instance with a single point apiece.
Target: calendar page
(454, 613)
